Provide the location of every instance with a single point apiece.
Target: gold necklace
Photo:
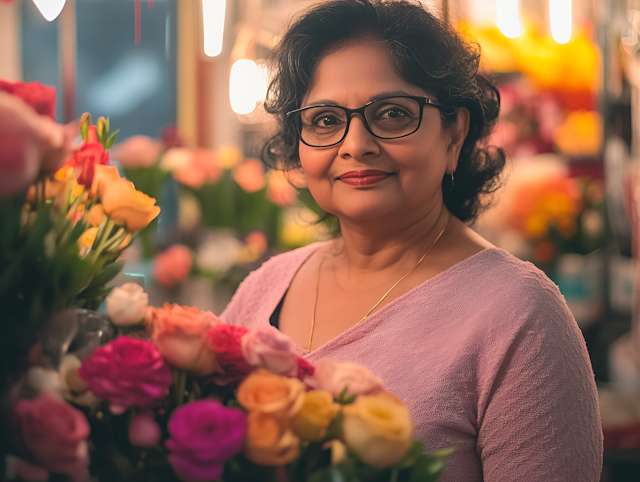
(315, 303)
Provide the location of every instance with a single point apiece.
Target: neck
(375, 246)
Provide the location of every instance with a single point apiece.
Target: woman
(383, 109)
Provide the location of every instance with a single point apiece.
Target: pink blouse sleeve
(538, 416)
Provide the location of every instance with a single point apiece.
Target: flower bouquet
(180, 395)
(65, 217)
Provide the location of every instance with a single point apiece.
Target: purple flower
(204, 434)
(127, 372)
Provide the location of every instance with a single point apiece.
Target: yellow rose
(262, 391)
(312, 421)
(377, 429)
(122, 203)
(268, 442)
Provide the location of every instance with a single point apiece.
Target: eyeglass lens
(388, 118)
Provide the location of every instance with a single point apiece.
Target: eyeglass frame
(422, 102)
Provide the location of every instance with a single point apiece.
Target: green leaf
(111, 140)
(107, 274)
(415, 451)
(343, 399)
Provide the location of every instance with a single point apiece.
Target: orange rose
(86, 240)
(102, 177)
(250, 175)
(122, 203)
(96, 215)
(262, 391)
(179, 332)
(267, 442)
(173, 265)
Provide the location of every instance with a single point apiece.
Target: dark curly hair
(427, 53)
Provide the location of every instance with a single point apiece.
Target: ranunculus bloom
(312, 421)
(144, 431)
(74, 389)
(180, 333)
(137, 151)
(334, 377)
(226, 342)
(55, 433)
(305, 369)
(268, 442)
(127, 372)
(377, 429)
(90, 155)
(250, 175)
(122, 203)
(127, 304)
(267, 347)
(265, 392)
(30, 143)
(102, 178)
(173, 265)
(204, 434)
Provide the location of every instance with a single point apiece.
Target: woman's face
(412, 167)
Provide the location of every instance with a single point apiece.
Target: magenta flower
(204, 434)
(127, 372)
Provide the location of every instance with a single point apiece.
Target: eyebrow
(382, 95)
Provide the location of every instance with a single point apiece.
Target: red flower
(90, 154)
(41, 98)
(225, 340)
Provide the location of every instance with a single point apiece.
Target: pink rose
(137, 151)
(335, 377)
(127, 372)
(144, 431)
(180, 333)
(173, 266)
(55, 433)
(267, 347)
(30, 143)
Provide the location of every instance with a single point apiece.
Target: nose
(358, 142)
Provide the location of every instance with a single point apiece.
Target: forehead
(356, 73)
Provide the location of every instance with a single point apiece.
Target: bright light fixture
(50, 9)
(508, 17)
(213, 22)
(561, 20)
(247, 86)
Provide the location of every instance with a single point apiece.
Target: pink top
(486, 356)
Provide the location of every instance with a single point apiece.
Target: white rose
(127, 305)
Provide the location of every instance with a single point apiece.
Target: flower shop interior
(174, 91)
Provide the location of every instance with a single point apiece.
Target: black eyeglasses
(388, 118)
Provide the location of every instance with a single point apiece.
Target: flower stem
(180, 387)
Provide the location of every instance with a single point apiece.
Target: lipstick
(364, 178)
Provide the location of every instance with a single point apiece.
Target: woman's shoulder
(263, 288)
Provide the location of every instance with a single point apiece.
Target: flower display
(127, 304)
(180, 333)
(377, 429)
(127, 372)
(173, 265)
(55, 433)
(226, 342)
(204, 434)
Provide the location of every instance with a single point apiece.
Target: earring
(452, 183)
